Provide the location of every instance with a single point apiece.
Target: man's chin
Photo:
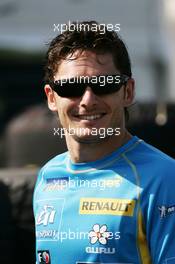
(89, 139)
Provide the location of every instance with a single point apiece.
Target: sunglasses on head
(100, 85)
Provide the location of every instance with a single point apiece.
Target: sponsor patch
(100, 250)
(46, 215)
(100, 235)
(62, 183)
(44, 257)
(105, 206)
(166, 210)
(56, 184)
(48, 218)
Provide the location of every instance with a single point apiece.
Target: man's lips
(89, 117)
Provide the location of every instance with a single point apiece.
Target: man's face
(90, 112)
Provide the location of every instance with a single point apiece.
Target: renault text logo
(104, 206)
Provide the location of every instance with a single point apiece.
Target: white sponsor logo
(46, 216)
(100, 250)
(46, 234)
(101, 235)
(166, 210)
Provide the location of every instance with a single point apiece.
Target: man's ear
(51, 100)
(129, 92)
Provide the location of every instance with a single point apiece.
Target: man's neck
(87, 152)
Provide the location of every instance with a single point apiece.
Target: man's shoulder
(151, 164)
(149, 155)
(155, 153)
(57, 161)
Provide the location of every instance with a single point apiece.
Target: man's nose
(88, 99)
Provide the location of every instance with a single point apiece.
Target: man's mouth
(90, 117)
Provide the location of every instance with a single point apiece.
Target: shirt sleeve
(159, 216)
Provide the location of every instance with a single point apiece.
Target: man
(110, 198)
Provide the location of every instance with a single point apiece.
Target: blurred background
(26, 126)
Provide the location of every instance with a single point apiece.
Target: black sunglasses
(100, 85)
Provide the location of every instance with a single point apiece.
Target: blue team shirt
(117, 210)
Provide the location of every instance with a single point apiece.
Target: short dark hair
(93, 40)
(74, 39)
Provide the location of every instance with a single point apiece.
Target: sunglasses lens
(106, 85)
(107, 88)
(69, 89)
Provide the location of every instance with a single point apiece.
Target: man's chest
(94, 217)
